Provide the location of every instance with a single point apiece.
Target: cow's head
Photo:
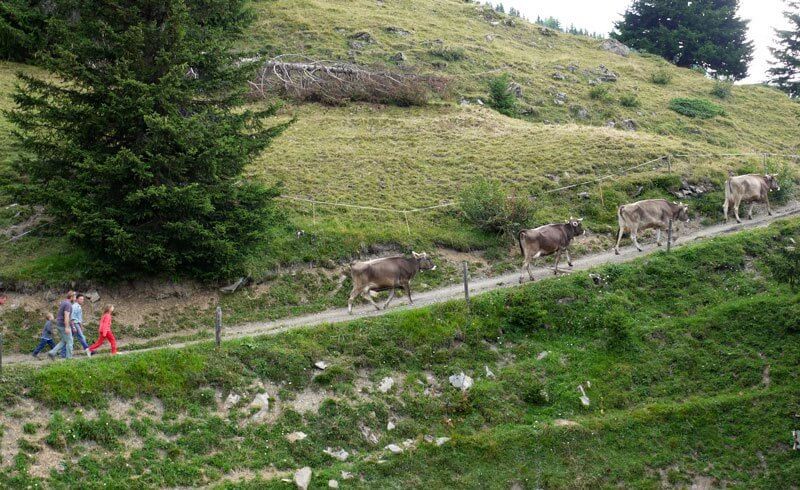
(425, 262)
(577, 226)
(683, 212)
(772, 182)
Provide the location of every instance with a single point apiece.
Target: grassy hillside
(688, 360)
(408, 157)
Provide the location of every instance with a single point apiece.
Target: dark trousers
(43, 342)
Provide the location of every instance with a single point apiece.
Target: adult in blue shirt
(62, 325)
(76, 318)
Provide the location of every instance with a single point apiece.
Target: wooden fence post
(1, 354)
(466, 283)
(669, 236)
(218, 327)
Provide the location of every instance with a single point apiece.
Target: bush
(486, 206)
(722, 89)
(500, 96)
(661, 77)
(599, 92)
(449, 54)
(700, 108)
(629, 100)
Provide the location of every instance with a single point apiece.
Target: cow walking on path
(547, 240)
(650, 213)
(386, 274)
(751, 188)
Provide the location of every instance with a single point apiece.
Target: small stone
(369, 435)
(296, 436)
(461, 381)
(479, 101)
(261, 402)
(629, 125)
(386, 384)
(339, 454)
(441, 440)
(558, 76)
(302, 478)
(489, 373)
(346, 475)
(489, 37)
(515, 89)
(93, 296)
(232, 400)
(542, 355)
(584, 195)
(400, 57)
(333, 484)
(394, 449)
(565, 423)
(321, 365)
(390, 425)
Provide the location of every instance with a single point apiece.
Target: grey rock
(546, 31)
(321, 365)
(50, 295)
(397, 31)
(584, 195)
(296, 436)
(232, 400)
(400, 57)
(515, 89)
(441, 440)
(386, 384)
(363, 36)
(558, 76)
(390, 425)
(93, 296)
(339, 454)
(615, 47)
(489, 373)
(333, 484)
(629, 125)
(394, 449)
(461, 381)
(572, 67)
(490, 37)
(302, 478)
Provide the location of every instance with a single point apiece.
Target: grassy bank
(690, 355)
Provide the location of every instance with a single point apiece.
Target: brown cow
(650, 213)
(751, 188)
(546, 240)
(388, 273)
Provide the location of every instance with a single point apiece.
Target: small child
(105, 331)
(46, 338)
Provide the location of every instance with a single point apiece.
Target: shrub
(629, 100)
(722, 89)
(500, 96)
(661, 77)
(486, 205)
(449, 54)
(599, 92)
(785, 264)
(700, 108)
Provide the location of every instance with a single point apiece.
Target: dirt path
(477, 286)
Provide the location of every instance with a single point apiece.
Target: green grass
(675, 346)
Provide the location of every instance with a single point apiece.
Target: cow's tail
(519, 242)
(728, 190)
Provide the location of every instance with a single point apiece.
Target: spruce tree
(785, 73)
(136, 143)
(706, 33)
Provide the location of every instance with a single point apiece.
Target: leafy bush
(629, 100)
(722, 89)
(449, 54)
(500, 96)
(701, 108)
(661, 77)
(486, 205)
(599, 92)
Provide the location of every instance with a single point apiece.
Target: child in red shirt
(105, 331)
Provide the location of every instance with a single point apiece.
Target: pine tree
(136, 143)
(500, 8)
(22, 29)
(707, 33)
(785, 73)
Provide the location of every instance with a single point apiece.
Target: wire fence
(667, 161)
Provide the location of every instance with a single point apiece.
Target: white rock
(409, 443)
(390, 425)
(339, 454)
(441, 440)
(346, 475)
(232, 400)
(302, 478)
(584, 399)
(489, 373)
(333, 484)
(296, 436)
(369, 435)
(261, 402)
(394, 449)
(542, 355)
(386, 384)
(461, 381)
(321, 365)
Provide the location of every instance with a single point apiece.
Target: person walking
(105, 331)
(62, 325)
(46, 339)
(76, 322)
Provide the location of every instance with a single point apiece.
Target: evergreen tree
(500, 8)
(22, 29)
(136, 143)
(785, 73)
(707, 33)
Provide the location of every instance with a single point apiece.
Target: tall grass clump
(486, 206)
(696, 108)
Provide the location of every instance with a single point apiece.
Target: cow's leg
(353, 295)
(736, 210)
(530, 272)
(525, 265)
(558, 257)
(750, 211)
(569, 258)
(407, 287)
(391, 297)
(658, 237)
(769, 210)
(619, 239)
(634, 231)
(725, 208)
(366, 293)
